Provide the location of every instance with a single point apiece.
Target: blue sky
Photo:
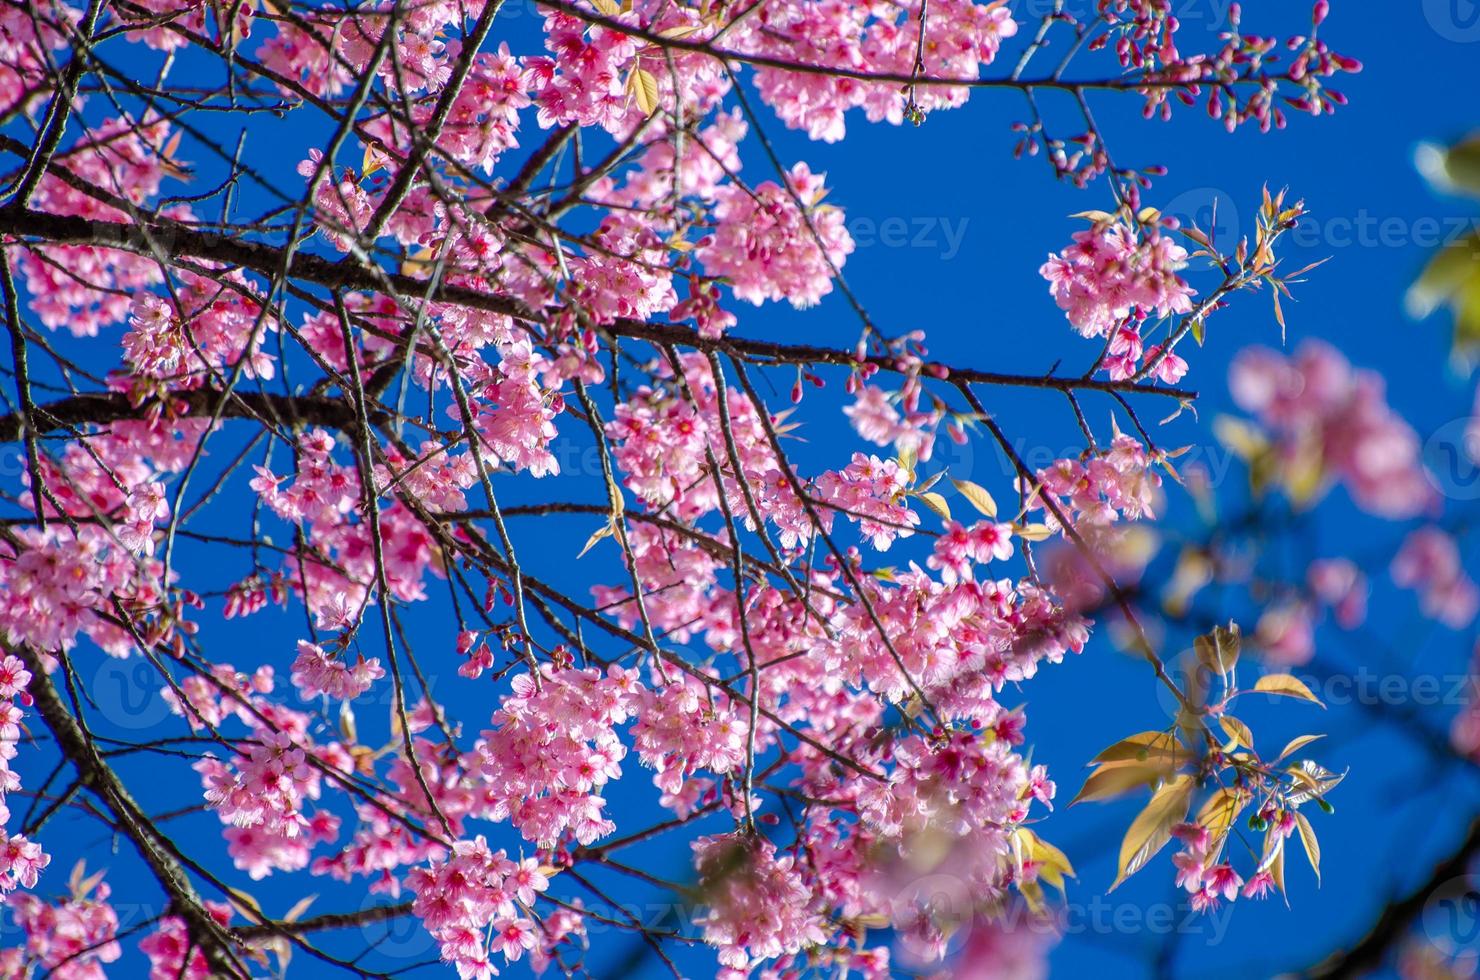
(951, 232)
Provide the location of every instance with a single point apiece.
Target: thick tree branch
(176, 240)
(103, 408)
(215, 941)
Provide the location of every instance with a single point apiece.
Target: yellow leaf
(605, 531)
(1288, 685)
(1452, 278)
(977, 497)
(1304, 474)
(1312, 846)
(347, 730)
(1219, 649)
(936, 503)
(1244, 439)
(1316, 780)
(375, 159)
(1220, 812)
(908, 456)
(299, 907)
(1237, 731)
(644, 88)
(1097, 217)
(1193, 572)
(1032, 892)
(418, 262)
(1152, 828)
(1033, 532)
(1277, 870)
(607, 8)
(1117, 779)
(173, 146)
(1274, 843)
(1296, 744)
(245, 904)
(1146, 746)
(1052, 863)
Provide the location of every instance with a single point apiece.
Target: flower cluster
(865, 698)
(870, 491)
(71, 939)
(875, 418)
(262, 796)
(315, 672)
(1429, 563)
(960, 548)
(553, 745)
(21, 860)
(961, 37)
(173, 954)
(757, 906)
(1331, 421)
(583, 82)
(1111, 274)
(1101, 487)
(86, 287)
(476, 904)
(775, 243)
(1340, 585)
(683, 727)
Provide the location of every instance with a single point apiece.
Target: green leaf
(1452, 278)
(1454, 168)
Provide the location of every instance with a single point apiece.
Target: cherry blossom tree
(346, 393)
